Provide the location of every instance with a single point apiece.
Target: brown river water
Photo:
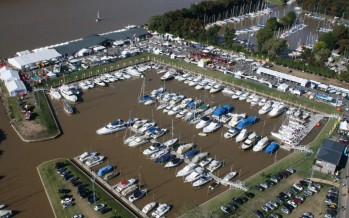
(20, 186)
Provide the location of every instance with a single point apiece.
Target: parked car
(259, 188)
(291, 170)
(258, 213)
(99, 207)
(64, 191)
(105, 210)
(238, 201)
(249, 194)
(274, 215)
(308, 193)
(298, 187)
(307, 215)
(265, 208)
(214, 185)
(285, 210)
(292, 203)
(264, 185)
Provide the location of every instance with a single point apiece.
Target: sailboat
(98, 18)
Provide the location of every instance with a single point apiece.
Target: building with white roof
(284, 76)
(30, 59)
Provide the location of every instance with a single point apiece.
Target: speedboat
(137, 195)
(112, 127)
(205, 161)
(173, 163)
(68, 108)
(191, 153)
(168, 76)
(149, 207)
(131, 138)
(139, 141)
(94, 160)
(155, 147)
(161, 210)
(261, 144)
(67, 93)
(268, 106)
(139, 123)
(250, 141)
(278, 108)
(171, 142)
(159, 153)
(124, 184)
(99, 81)
(237, 95)
(216, 88)
(54, 93)
(146, 126)
(214, 165)
(204, 121)
(199, 157)
(83, 85)
(242, 135)
(184, 148)
(195, 175)
(202, 181)
(212, 127)
(164, 158)
(186, 170)
(231, 133)
(229, 176)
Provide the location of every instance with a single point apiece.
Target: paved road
(344, 201)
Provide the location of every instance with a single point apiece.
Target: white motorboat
(229, 176)
(138, 195)
(168, 108)
(94, 160)
(195, 175)
(209, 111)
(161, 210)
(201, 85)
(202, 181)
(159, 153)
(86, 155)
(99, 82)
(228, 91)
(237, 95)
(186, 170)
(250, 141)
(255, 101)
(212, 127)
(54, 93)
(184, 148)
(267, 107)
(124, 184)
(162, 106)
(171, 142)
(194, 82)
(83, 85)
(133, 72)
(67, 93)
(244, 96)
(216, 88)
(209, 85)
(214, 165)
(176, 99)
(242, 135)
(90, 83)
(205, 161)
(110, 77)
(250, 98)
(104, 79)
(262, 102)
(183, 113)
(68, 108)
(129, 190)
(174, 162)
(148, 207)
(175, 110)
(168, 76)
(231, 133)
(155, 147)
(261, 144)
(139, 141)
(131, 138)
(139, 123)
(112, 127)
(156, 132)
(199, 157)
(150, 101)
(204, 121)
(278, 108)
(146, 126)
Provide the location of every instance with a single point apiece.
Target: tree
(212, 35)
(262, 36)
(272, 24)
(229, 35)
(319, 45)
(329, 39)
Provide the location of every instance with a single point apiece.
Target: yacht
(228, 91)
(67, 93)
(83, 85)
(124, 184)
(255, 101)
(250, 141)
(173, 163)
(216, 88)
(195, 175)
(94, 160)
(90, 83)
(212, 127)
(161, 210)
(262, 102)
(201, 85)
(261, 144)
(155, 132)
(68, 108)
(202, 181)
(237, 95)
(138, 195)
(139, 141)
(231, 133)
(268, 106)
(168, 76)
(159, 153)
(54, 93)
(175, 110)
(139, 123)
(149, 207)
(146, 126)
(205, 161)
(162, 106)
(235, 119)
(171, 142)
(112, 127)
(99, 82)
(129, 190)
(186, 170)
(214, 165)
(110, 77)
(86, 155)
(155, 147)
(242, 136)
(199, 157)
(150, 101)
(132, 137)
(244, 96)
(204, 121)
(278, 108)
(184, 148)
(229, 176)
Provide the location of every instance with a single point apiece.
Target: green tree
(262, 36)
(229, 35)
(329, 39)
(319, 45)
(272, 24)
(212, 34)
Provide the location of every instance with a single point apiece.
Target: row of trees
(339, 8)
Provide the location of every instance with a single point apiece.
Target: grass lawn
(52, 181)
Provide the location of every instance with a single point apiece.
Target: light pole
(93, 189)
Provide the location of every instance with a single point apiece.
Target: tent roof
(301, 81)
(116, 36)
(32, 58)
(344, 126)
(331, 152)
(138, 32)
(15, 85)
(9, 74)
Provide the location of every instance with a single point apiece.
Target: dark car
(288, 206)
(259, 188)
(233, 206)
(72, 179)
(249, 194)
(76, 183)
(81, 186)
(64, 191)
(303, 183)
(244, 199)
(258, 213)
(67, 177)
(92, 199)
(105, 210)
(270, 182)
(214, 185)
(239, 201)
(294, 190)
(59, 165)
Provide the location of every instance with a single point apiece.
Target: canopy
(15, 87)
(9, 74)
(24, 60)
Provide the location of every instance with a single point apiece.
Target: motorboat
(242, 135)
(155, 147)
(209, 85)
(271, 148)
(171, 142)
(214, 165)
(175, 110)
(268, 106)
(99, 82)
(159, 153)
(68, 108)
(229, 176)
(186, 170)
(112, 127)
(156, 132)
(201, 85)
(75, 89)
(133, 72)
(202, 181)
(148, 207)
(237, 95)
(246, 122)
(222, 110)
(226, 118)
(196, 119)
(183, 113)
(262, 102)
(90, 83)
(203, 108)
(173, 163)
(204, 121)
(261, 144)
(67, 93)
(54, 93)
(94, 160)
(212, 127)
(124, 184)
(158, 92)
(161, 210)
(138, 195)
(168, 108)
(144, 98)
(162, 106)
(205, 161)
(83, 85)
(146, 126)
(199, 157)
(255, 101)
(191, 153)
(110, 77)
(150, 101)
(139, 141)
(164, 158)
(278, 108)
(139, 123)
(86, 155)
(216, 88)
(168, 76)
(129, 190)
(228, 91)
(231, 133)
(244, 96)
(184, 148)
(196, 174)
(176, 99)
(250, 141)
(250, 98)
(191, 115)
(132, 137)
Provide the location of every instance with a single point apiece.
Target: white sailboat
(98, 18)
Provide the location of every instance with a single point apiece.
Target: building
(283, 76)
(330, 157)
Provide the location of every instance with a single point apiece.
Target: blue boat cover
(104, 170)
(191, 153)
(271, 148)
(242, 124)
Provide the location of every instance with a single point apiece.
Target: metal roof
(301, 81)
(116, 36)
(138, 32)
(331, 152)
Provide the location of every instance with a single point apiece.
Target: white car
(313, 189)
(78, 216)
(99, 207)
(66, 200)
(292, 203)
(298, 187)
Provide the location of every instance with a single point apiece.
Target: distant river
(29, 24)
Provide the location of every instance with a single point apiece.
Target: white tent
(298, 80)
(84, 52)
(283, 87)
(15, 87)
(343, 126)
(5, 68)
(9, 75)
(24, 60)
